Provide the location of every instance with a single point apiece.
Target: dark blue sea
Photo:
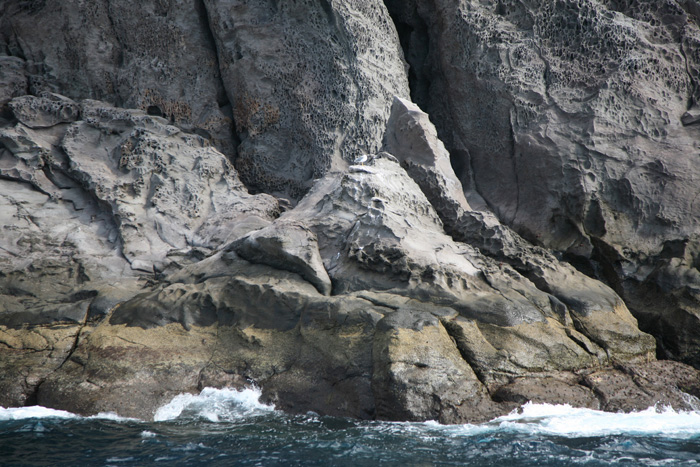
(226, 427)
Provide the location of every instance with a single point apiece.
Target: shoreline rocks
(204, 223)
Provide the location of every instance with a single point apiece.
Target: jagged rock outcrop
(418, 326)
(92, 194)
(287, 246)
(135, 265)
(572, 121)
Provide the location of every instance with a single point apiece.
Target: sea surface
(227, 427)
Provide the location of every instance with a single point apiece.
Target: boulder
(288, 246)
(419, 373)
(46, 111)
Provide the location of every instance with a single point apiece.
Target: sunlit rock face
(385, 210)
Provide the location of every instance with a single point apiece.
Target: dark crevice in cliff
(692, 80)
(453, 331)
(427, 87)
(225, 98)
(586, 382)
(514, 163)
(32, 393)
(415, 44)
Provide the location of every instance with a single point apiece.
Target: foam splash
(39, 412)
(36, 411)
(564, 420)
(214, 405)
(113, 417)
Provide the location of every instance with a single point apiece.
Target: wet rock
(637, 387)
(419, 373)
(29, 356)
(560, 388)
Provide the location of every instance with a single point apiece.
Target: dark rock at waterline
(435, 280)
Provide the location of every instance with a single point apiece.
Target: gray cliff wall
(574, 122)
(180, 206)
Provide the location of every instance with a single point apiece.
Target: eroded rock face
(158, 57)
(311, 84)
(92, 194)
(410, 332)
(573, 122)
(135, 265)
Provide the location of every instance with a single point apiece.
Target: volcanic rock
(572, 123)
(482, 255)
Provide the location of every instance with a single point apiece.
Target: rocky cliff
(184, 204)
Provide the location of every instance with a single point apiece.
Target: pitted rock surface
(571, 121)
(106, 198)
(453, 273)
(311, 84)
(158, 57)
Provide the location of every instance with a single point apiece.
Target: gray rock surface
(430, 281)
(572, 122)
(105, 198)
(159, 57)
(417, 327)
(288, 246)
(311, 84)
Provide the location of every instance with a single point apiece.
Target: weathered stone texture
(573, 122)
(311, 84)
(452, 274)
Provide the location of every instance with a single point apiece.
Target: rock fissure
(454, 335)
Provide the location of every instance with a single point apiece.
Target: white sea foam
(564, 420)
(214, 405)
(114, 417)
(35, 411)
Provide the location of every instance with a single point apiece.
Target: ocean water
(227, 427)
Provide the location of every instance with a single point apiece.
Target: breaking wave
(229, 427)
(214, 405)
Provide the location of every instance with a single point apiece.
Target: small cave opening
(155, 111)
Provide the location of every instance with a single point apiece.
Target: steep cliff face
(311, 85)
(573, 121)
(181, 206)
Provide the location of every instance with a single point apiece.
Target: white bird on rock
(361, 159)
